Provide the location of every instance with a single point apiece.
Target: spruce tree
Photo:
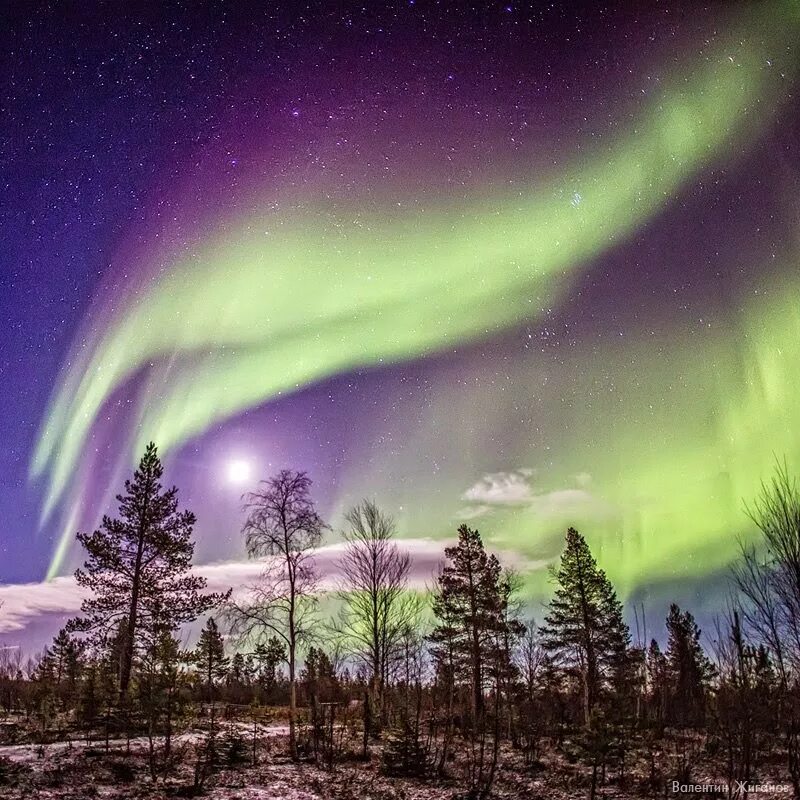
(268, 657)
(209, 656)
(65, 655)
(319, 676)
(584, 630)
(689, 669)
(657, 683)
(319, 679)
(138, 569)
(238, 681)
(237, 675)
(158, 679)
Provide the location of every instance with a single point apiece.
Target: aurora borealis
(553, 284)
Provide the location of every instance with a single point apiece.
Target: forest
(386, 691)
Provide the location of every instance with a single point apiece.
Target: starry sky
(521, 265)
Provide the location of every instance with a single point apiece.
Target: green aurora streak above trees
(275, 302)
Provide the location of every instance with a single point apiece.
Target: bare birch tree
(377, 608)
(768, 576)
(282, 528)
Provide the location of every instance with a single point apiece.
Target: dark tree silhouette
(657, 683)
(689, 670)
(267, 658)
(467, 605)
(376, 607)
(584, 630)
(209, 657)
(472, 641)
(768, 577)
(65, 655)
(283, 528)
(138, 569)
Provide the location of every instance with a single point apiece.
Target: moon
(238, 471)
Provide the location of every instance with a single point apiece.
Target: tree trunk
(126, 656)
(377, 667)
(367, 724)
(168, 729)
(126, 664)
(292, 704)
(487, 787)
(448, 729)
(587, 703)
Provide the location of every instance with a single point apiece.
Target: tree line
(436, 683)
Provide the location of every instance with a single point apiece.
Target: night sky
(524, 266)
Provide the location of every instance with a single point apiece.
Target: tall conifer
(138, 570)
(584, 629)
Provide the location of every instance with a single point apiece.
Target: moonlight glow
(238, 471)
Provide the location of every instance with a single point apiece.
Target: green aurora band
(273, 303)
(677, 450)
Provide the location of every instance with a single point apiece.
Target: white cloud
(515, 489)
(502, 489)
(25, 604)
(473, 512)
(42, 607)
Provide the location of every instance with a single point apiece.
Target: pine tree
(504, 670)
(584, 629)
(88, 699)
(657, 683)
(472, 643)
(65, 655)
(239, 679)
(209, 656)
(268, 657)
(138, 569)
(43, 679)
(468, 608)
(689, 669)
(59, 652)
(107, 683)
(158, 681)
(443, 650)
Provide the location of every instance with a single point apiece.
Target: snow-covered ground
(32, 753)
